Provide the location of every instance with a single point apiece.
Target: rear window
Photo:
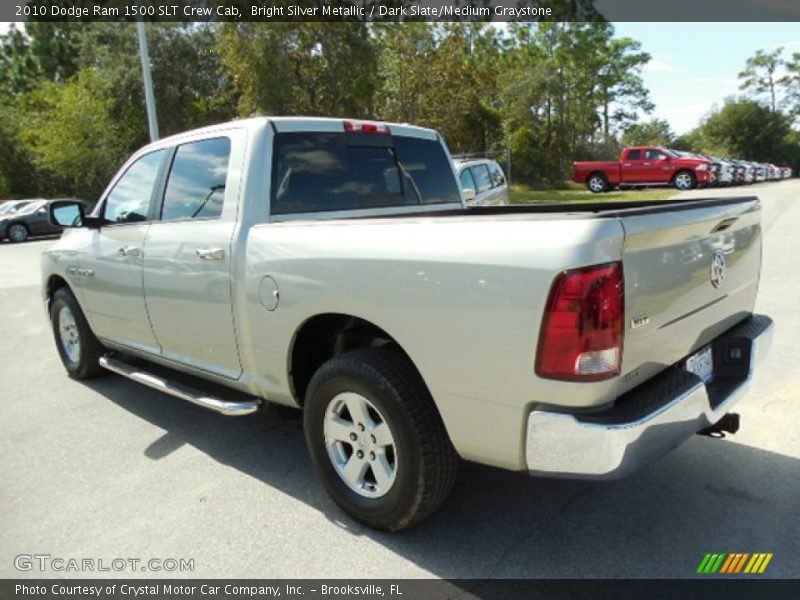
(496, 172)
(316, 171)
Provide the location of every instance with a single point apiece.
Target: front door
(655, 166)
(110, 274)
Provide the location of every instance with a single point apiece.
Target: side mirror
(469, 194)
(66, 213)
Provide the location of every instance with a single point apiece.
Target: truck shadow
(707, 496)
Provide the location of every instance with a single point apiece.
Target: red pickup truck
(643, 166)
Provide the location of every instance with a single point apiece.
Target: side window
(654, 155)
(467, 180)
(196, 184)
(496, 172)
(635, 155)
(129, 200)
(482, 178)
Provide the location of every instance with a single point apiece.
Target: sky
(695, 65)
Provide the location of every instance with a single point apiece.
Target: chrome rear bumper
(651, 420)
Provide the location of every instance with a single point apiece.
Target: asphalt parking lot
(110, 469)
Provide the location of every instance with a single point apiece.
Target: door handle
(210, 253)
(646, 164)
(130, 251)
(626, 164)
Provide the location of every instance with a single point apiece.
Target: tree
(73, 138)
(744, 128)
(791, 83)
(760, 74)
(655, 132)
(300, 68)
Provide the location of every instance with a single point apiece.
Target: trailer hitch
(729, 423)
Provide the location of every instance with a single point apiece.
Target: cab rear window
(321, 171)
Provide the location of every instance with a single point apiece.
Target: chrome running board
(224, 407)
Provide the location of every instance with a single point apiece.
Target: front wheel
(685, 180)
(77, 346)
(377, 442)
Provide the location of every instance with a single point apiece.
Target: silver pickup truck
(332, 266)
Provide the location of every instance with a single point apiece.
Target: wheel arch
(682, 170)
(323, 336)
(54, 283)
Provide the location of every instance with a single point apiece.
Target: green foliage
(552, 92)
(73, 137)
(300, 68)
(655, 132)
(744, 128)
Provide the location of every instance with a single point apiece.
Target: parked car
(723, 169)
(28, 218)
(643, 166)
(333, 266)
(786, 172)
(482, 182)
(745, 172)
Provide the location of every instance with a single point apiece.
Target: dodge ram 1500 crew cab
(332, 266)
(643, 166)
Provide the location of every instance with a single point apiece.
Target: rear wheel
(376, 439)
(684, 180)
(77, 346)
(597, 183)
(17, 232)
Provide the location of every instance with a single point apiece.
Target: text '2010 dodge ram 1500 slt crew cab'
(332, 266)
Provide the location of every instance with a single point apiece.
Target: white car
(482, 182)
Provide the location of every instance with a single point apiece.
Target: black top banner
(266, 11)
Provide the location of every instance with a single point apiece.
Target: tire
(420, 465)
(684, 180)
(597, 183)
(77, 346)
(17, 232)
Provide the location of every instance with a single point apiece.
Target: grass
(573, 193)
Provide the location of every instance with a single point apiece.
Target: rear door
(483, 181)
(632, 166)
(690, 274)
(187, 258)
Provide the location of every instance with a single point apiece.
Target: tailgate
(691, 272)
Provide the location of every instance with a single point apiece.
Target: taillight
(582, 329)
(366, 127)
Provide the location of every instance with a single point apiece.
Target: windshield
(8, 208)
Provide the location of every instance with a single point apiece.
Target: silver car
(482, 182)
